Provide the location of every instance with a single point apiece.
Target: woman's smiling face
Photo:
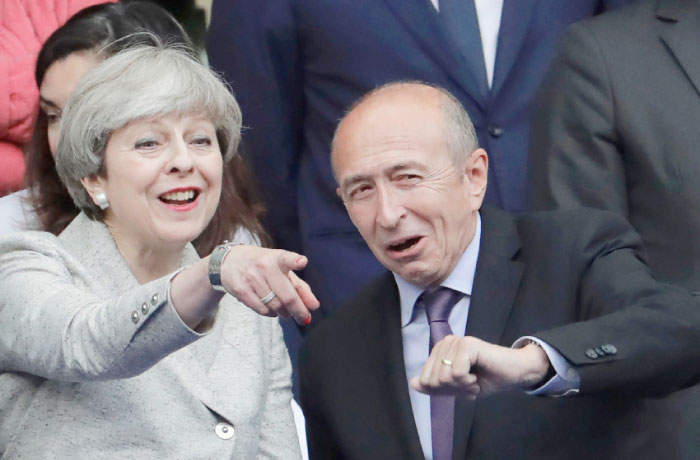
(162, 179)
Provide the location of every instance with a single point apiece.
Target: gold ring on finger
(447, 362)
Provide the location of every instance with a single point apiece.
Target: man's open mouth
(405, 244)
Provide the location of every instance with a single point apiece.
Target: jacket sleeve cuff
(565, 382)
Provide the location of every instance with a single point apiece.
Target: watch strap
(215, 260)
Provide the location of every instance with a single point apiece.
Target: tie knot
(438, 302)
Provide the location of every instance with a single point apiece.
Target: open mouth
(404, 245)
(179, 197)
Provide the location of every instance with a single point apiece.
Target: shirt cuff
(565, 382)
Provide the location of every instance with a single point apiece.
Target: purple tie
(438, 303)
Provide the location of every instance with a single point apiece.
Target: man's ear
(340, 195)
(476, 169)
(93, 185)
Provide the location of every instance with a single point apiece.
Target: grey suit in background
(618, 128)
(92, 364)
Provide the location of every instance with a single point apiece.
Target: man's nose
(390, 208)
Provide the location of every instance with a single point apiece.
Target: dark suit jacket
(295, 67)
(534, 272)
(617, 129)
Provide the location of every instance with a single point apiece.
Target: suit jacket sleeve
(655, 328)
(575, 154)
(254, 43)
(55, 329)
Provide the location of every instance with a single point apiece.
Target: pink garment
(24, 26)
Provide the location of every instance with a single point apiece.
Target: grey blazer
(95, 365)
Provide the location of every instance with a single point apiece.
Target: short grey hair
(460, 135)
(140, 82)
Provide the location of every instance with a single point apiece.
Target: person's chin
(181, 233)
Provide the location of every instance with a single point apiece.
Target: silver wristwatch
(215, 260)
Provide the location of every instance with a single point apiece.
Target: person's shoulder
(28, 239)
(575, 229)
(567, 215)
(26, 249)
(619, 23)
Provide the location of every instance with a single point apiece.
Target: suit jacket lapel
(683, 35)
(496, 284)
(109, 270)
(421, 18)
(387, 360)
(515, 22)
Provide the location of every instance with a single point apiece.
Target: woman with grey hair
(116, 339)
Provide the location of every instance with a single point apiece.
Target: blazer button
(609, 349)
(224, 431)
(144, 308)
(135, 316)
(154, 299)
(591, 353)
(495, 131)
(600, 352)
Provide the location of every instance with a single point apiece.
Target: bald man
(460, 277)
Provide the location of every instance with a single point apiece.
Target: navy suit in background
(295, 67)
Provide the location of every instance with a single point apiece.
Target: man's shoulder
(627, 23)
(568, 219)
(552, 220)
(561, 230)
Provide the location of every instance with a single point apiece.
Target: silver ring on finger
(268, 298)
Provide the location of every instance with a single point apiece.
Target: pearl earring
(101, 200)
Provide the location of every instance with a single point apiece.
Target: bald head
(457, 128)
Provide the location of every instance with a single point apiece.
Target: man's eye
(359, 192)
(408, 178)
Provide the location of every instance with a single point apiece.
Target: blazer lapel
(421, 18)
(385, 334)
(496, 284)
(515, 22)
(109, 270)
(683, 35)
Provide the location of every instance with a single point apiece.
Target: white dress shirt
(488, 13)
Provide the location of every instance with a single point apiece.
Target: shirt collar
(460, 279)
